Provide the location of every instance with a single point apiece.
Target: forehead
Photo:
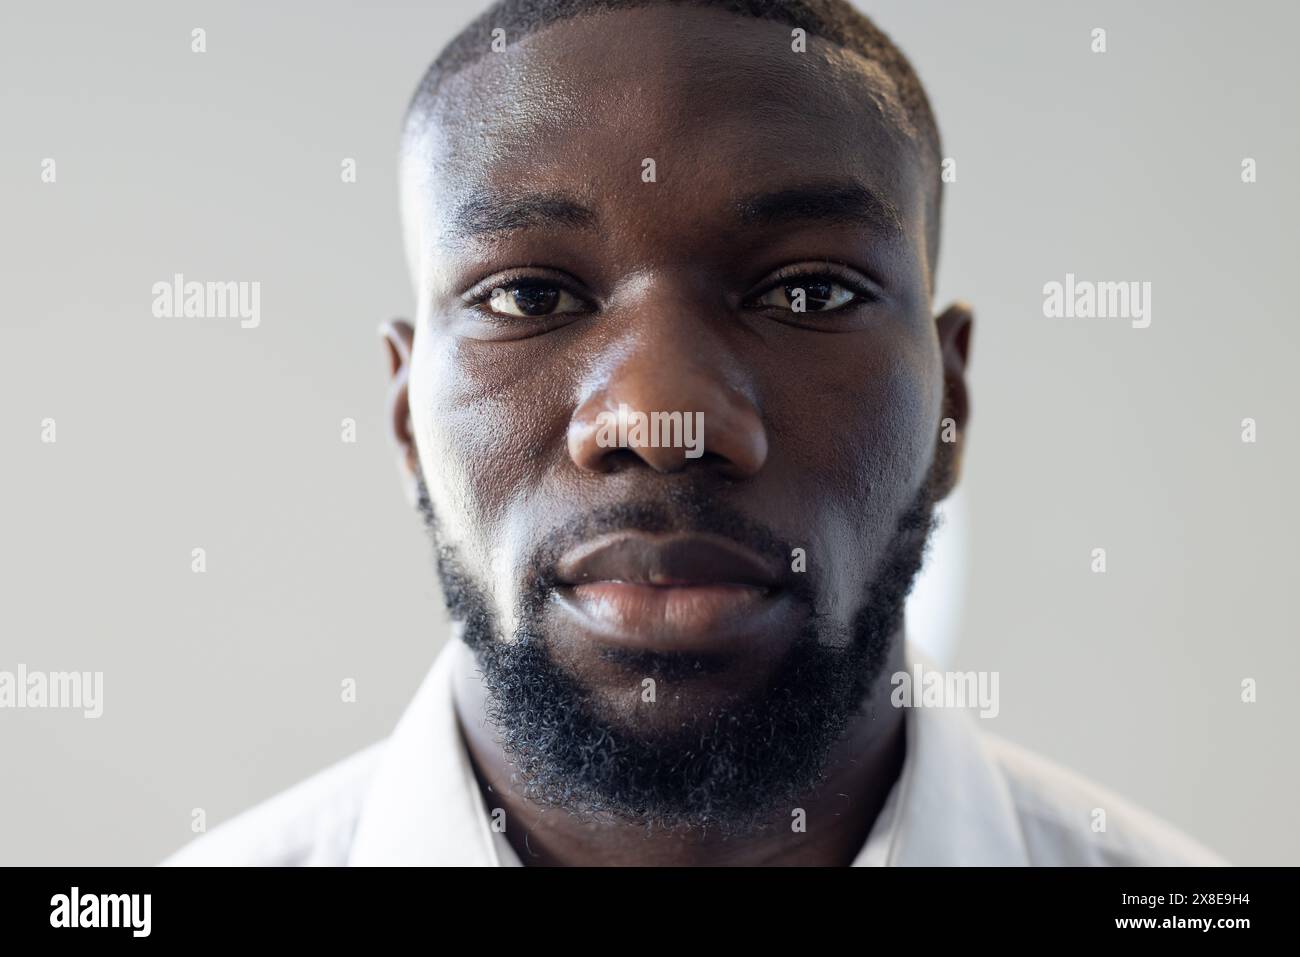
(721, 103)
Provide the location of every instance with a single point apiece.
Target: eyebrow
(847, 203)
(487, 212)
(833, 203)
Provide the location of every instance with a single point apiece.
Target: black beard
(735, 767)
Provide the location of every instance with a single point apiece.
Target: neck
(838, 814)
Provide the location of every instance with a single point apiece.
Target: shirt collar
(950, 804)
(424, 805)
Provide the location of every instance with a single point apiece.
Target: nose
(666, 405)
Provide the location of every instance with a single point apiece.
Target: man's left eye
(813, 294)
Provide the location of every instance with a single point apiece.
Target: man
(677, 410)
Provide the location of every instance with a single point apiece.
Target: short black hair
(834, 20)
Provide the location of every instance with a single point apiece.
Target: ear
(399, 337)
(954, 327)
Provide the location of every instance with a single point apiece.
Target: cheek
(865, 444)
(873, 425)
(903, 419)
(455, 431)
(483, 437)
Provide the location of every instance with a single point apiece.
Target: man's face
(621, 211)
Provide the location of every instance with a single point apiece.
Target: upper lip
(665, 560)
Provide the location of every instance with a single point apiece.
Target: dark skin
(773, 170)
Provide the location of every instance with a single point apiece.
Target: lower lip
(674, 618)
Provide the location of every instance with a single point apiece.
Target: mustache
(687, 509)
(690, 510)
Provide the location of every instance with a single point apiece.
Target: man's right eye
(533, 299)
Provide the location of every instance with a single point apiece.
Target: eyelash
(482, 292)
(788, 275)
(862, 292)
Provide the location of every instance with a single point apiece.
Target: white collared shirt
(964, 797)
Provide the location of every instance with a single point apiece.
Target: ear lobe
(954, 327)
(399, 337)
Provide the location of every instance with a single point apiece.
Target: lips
(666, 561)
(665, 593)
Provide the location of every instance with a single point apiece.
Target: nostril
(713, 460)
(615, 460)
(632, 424)
(726, 466)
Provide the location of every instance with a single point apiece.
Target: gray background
(223, 688)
